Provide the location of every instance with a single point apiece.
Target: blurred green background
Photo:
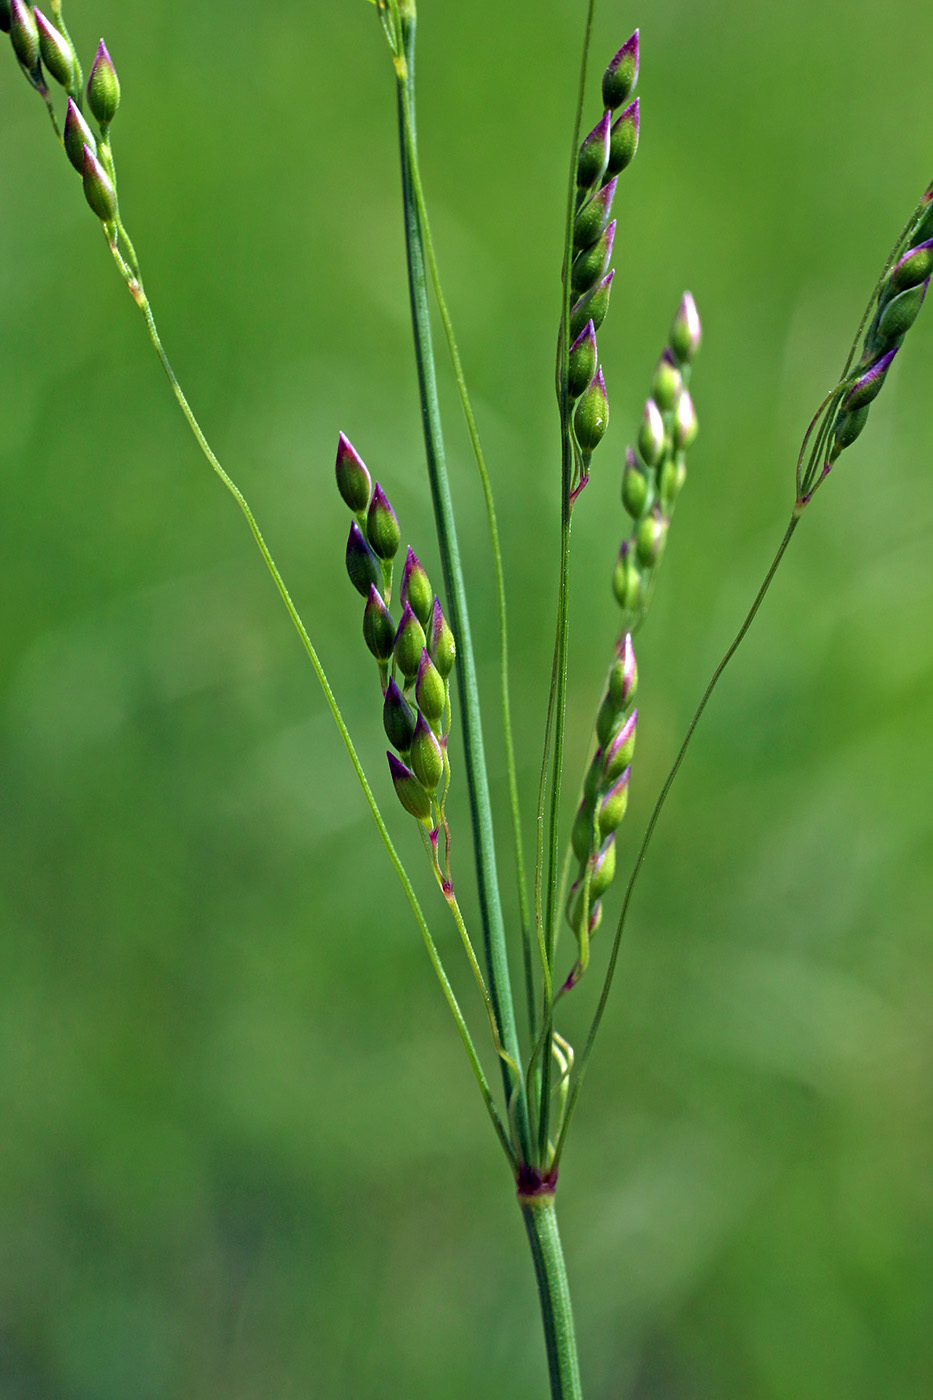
(242, 1155)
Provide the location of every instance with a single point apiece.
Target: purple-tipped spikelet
(378, 627)
(603, 867)
(912, 267)
(98, 191)
(686, 332)
(398, 718)
(667, 383)
(627, 583)
(652, 436)
(591, 416)
(103, 87)
(613, 806)
(430, 690)
(634, 486)
(594, 153)
(426, 757)
(77, 134)
(382, 529)
(582, 361)
(362, 564)
(623, 139)
(409, 790)
(900, 298)
(623, 675)
(441, 646)
(409, 644)
(650, 534)
(593, 218)
(57, 54)
(591, 307)
(24, 36)
(619, 754)
(353, 479)
(590, 266)
(685, 426)
(621, 75)
(416, 588)
(869, 385)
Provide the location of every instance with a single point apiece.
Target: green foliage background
(241, 1152)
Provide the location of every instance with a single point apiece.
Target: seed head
(103, 87)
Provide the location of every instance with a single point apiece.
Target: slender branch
(655, 815)
(557, 704)
(329, 696)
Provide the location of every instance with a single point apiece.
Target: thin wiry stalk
(524, 911)
(557, 700)
(332, 705)
(653, 821)
(474, 750)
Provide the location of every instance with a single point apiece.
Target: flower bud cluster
(415, 655)
(605, 798)
(655, 473)
(604, 154)
(900, 298)
(45, 50)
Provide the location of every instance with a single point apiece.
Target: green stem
(474, 754)
(473, 431)
(649, 831)
(295, 616)
(540, 1220)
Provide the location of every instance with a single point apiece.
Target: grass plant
(528, 1051)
